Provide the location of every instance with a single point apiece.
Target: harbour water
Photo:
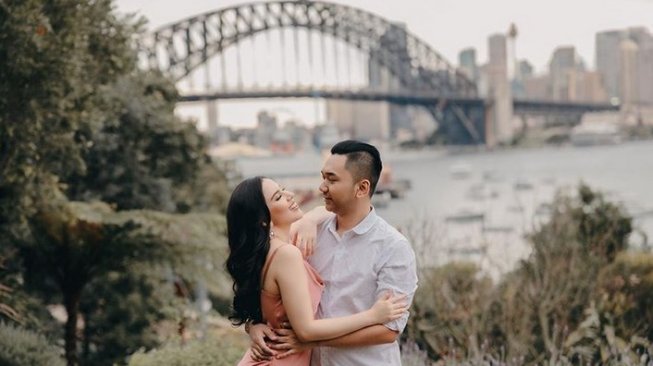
(478, 205)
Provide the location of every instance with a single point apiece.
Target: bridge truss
(180, 48)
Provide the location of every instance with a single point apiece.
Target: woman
(272, 281)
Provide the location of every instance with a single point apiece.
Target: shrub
(209, 352)
(595, 342)
(449, 309)
(458, 315)
(412, 355)
(625, 291)
(19, 347)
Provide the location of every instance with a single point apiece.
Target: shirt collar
(367, 223)
(364, 226)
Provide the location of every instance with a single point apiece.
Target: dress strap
(266, 267)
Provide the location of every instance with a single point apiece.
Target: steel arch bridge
(181, 47)
(425, 77)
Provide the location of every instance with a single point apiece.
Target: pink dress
(275, 314)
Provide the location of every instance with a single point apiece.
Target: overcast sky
(451, 25)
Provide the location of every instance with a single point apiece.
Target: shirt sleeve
(399, 275)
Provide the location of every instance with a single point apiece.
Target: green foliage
(78, 243)
(126, 306)
(140, 156)
(603, 227)
(544, 298)
(527, 317)
(625, 292)
(6, 310)
(412, 355)
(210, 352)
(122, 314)
(449, 308)
(595, 342)
(54, 56)
(79, 122)
(19, 347)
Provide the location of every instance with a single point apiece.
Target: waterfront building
(628, 74)
(359, 119)
(467, 63)
(562, 67)
(608, 59)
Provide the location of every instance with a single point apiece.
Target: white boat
(480, 192)
(464, 216)
(498, 229)
(460, 171)
(597, 133)
(381, 199)
(523, 185)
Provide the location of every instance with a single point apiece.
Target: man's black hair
(363, 160)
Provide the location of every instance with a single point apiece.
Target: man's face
(338, 187)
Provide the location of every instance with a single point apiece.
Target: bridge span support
(461, 123)
(212, 115)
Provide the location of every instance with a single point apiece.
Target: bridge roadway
(527, 106)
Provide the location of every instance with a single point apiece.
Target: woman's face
(281, 203)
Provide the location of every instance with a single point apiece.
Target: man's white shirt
(357, 268)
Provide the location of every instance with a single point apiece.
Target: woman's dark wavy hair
(248, 231)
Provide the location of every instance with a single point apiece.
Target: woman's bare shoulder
(289, 252)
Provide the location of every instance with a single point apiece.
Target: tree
(545, 297)
(54, 57)
(450, 308)
(529, 315)
(77, 117)
(77, 243)
(140, 156)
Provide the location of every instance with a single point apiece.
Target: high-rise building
(631, 83)
(644, 64)
(645, 71)
(564, 61)
(467, 63)
(607, 59)
(524, 69)
(265, 129)
(628, 51)
(537, 87)
(639, 35)
(359, 119)
(586, 86)
(564, 58)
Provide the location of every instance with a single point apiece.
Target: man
(360, 257)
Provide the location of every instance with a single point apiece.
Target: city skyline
(242, 113)
(535, 42)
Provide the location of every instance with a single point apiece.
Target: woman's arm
(304, 231)
(293, 285)
(288, 344)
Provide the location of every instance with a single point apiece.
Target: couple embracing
(342, 301)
